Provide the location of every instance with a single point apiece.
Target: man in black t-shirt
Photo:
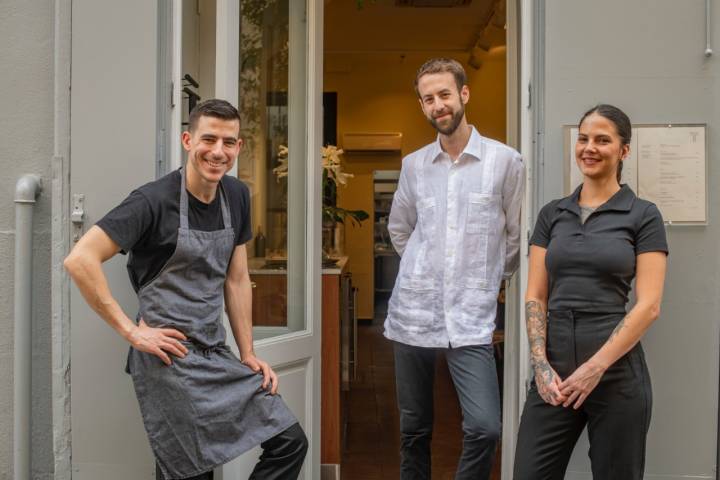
(145, 224)
(185, 235)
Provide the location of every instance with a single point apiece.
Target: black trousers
(616, 413)
(282, 457)
(474, 375)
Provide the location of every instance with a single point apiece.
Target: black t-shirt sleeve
(543, 224)
(245, 233)
(650, 236)
(127, 223)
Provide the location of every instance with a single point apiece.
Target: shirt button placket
(450, 241)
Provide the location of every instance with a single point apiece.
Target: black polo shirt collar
(621, 201)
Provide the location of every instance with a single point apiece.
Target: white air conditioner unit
(372, 142)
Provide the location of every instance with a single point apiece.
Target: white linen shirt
(456, 226)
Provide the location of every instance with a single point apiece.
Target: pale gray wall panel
(7, 258)
(113, 135)
(26, 97)
(646, 56)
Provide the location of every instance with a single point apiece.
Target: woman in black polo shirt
(586, 354)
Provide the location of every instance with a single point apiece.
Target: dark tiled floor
(372, 437)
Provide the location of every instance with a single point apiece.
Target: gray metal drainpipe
(27, 189)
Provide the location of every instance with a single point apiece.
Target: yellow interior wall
(375, 94)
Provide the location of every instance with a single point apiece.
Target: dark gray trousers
(617, 412)
(474, 375)
(282, 457)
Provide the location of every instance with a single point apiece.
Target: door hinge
(529, 103)
(77, 217)
(528, 234)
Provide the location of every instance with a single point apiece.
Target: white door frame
(227, 45)
(527, 144)
(60, 284)
(520, 48)
(176, 115)
(313, 299)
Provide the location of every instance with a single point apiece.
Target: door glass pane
(272, 103)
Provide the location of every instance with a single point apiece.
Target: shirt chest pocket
(480, 211)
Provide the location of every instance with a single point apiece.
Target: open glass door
(207, 60)
(265, 57)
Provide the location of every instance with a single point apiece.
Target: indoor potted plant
(332, 215)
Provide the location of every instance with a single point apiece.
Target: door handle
(77, 217)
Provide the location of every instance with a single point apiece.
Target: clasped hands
(571, 391)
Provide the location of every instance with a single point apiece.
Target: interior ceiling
(382, 26)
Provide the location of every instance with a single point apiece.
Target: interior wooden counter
(331, 416)
(270, 309)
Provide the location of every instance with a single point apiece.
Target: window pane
(272, 101)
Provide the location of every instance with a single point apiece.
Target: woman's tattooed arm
(537, 329)
(537, 334)
(618, 328)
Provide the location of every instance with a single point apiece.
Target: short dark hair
(442, 65)
(623, 127)
(215, 108)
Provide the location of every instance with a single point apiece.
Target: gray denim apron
(207, 408)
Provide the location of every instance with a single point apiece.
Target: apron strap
(183, 200)
(225, 206)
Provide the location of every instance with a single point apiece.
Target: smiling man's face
(212, 147)
(442, 102)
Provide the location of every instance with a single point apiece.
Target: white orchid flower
(331, 163)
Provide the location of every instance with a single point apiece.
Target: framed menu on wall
(667, 165)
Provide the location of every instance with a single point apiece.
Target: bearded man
(455, 221)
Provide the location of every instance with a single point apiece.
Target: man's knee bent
(482, 428)
(297, 440)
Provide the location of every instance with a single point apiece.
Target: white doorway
(373, 79)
